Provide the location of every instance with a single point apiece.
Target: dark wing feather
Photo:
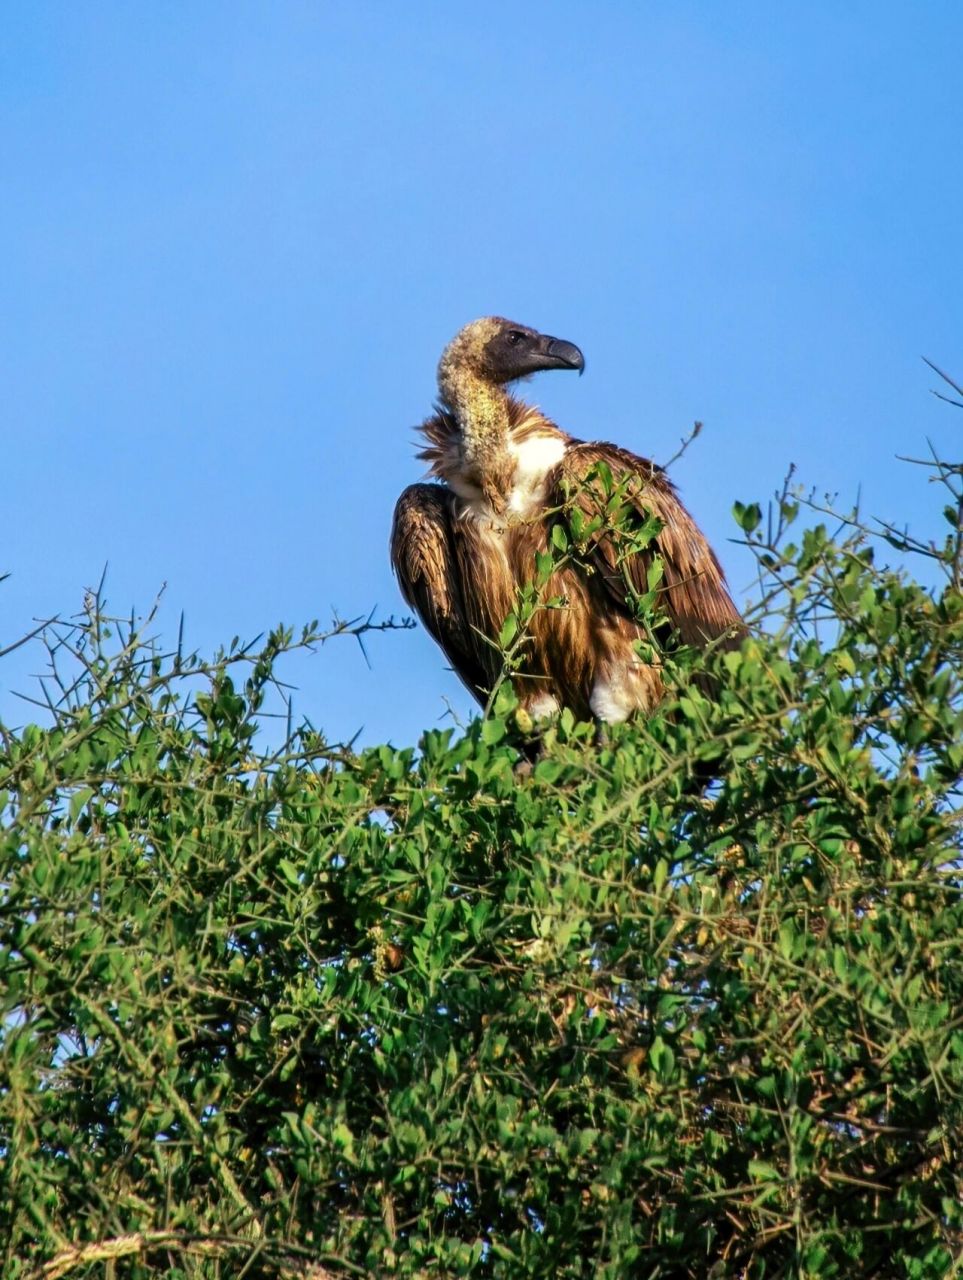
(425, 556)
(693, 591)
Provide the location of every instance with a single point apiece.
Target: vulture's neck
(480, 408)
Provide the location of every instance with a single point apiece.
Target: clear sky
(236, 237)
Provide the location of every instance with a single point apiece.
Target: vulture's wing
(692, 590)
(425, 553)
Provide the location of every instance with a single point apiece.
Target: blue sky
(237, 236)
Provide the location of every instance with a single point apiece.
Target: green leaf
(78, 802)
(747, 516)
(662, 1058)
(509, 631)
(493, 730)
(289, 871)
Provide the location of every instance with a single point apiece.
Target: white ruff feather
(543, 706)
(534, 458)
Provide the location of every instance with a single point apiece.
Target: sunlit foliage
(317, 1012)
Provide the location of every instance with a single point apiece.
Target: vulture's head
(498, 351)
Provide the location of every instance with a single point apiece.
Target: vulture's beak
(556, 353)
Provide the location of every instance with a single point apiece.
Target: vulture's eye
(514, 337)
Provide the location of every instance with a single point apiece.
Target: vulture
(465, 546)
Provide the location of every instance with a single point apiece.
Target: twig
(949, 381)
(684, 444)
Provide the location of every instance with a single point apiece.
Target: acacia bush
(322, 1013)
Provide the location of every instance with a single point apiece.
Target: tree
(318, 1012)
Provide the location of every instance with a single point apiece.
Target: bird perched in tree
(465, 547)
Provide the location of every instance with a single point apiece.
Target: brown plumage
(464, 547)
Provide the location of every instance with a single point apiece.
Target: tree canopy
(309, 1011)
